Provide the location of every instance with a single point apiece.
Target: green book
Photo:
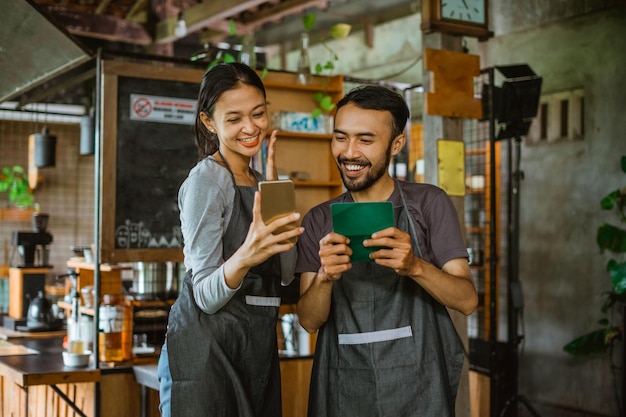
(357, 221)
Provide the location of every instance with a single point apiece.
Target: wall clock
(457, 17)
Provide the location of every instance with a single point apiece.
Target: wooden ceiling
(146, 22)
(149, 23)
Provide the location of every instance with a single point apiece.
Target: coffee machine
(30, 244)
(27, 279)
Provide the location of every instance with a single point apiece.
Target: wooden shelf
(479, 151)
(92, 267)
(287, 81)
(68, 307)
(304, 135)
(16, 215)
(317, 183)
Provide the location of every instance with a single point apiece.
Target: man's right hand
(334, 256)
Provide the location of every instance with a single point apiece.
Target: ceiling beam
(102, 26)
(204, 15)
(280, 10)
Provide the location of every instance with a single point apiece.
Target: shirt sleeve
(446, 239)
(205, 202)
(317, 224)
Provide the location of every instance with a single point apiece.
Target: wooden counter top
(44, 368)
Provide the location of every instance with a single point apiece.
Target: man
(386, 345)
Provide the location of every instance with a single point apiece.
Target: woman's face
(239, 120)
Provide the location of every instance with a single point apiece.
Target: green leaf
(318, 96)
(229, 57)
(264, 73)
(232, 27)
(329, 65)
(316, 112)
(24, 200)
(617, 272)
(327, 103)
(318, 68)
(591, 343)
(609, 201)
(308, 21)
(611, 238)
(624, 163)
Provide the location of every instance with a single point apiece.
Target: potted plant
(610, 238)
(14, 181)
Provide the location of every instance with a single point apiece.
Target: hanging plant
(225, 56)
(14, 181)
(338, 31)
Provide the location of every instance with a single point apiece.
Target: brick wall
(66, 191)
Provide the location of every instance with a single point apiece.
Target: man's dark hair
(374, 97)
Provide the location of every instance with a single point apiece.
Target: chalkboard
(155, 151)
(147, 148)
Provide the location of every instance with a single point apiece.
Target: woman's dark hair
(216, 81)
(375, 97)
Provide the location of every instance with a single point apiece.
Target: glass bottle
(304, 62)
(75, 343)
(111, 325)
(248, 54)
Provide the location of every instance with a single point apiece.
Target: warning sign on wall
(162, 109)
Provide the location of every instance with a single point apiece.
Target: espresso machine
(27, 279)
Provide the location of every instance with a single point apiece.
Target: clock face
(464, 10)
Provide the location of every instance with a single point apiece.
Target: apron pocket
(389, 348)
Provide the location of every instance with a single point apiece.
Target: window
(560, 118)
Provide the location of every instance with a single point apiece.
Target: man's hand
(397, 252)
(334, 256)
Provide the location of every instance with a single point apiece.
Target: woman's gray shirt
(205, 200)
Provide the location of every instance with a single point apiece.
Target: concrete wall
(562, 273)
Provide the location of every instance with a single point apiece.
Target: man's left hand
(397, 251)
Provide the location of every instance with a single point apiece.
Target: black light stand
(515, 298)
(515, 105)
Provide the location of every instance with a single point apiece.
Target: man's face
(362, 146)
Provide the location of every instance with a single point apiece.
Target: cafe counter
(36, 383)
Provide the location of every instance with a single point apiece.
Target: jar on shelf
(115, 337)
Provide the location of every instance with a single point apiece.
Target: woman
(220, 357)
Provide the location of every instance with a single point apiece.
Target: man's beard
(375, 173)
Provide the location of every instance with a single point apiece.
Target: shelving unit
(478, 228)
(300, 151)
(15, 215)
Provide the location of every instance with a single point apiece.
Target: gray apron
(388, 349)
(226, 364)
